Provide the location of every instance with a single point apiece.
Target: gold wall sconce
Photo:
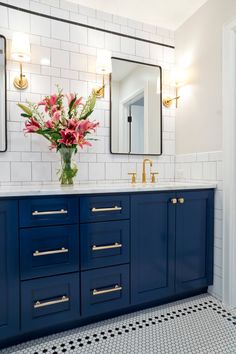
(20, 51)
(103, 67)
(178, 80)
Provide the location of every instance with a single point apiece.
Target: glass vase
(69, 168)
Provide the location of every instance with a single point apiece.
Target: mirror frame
(161, 123)
(5, 63)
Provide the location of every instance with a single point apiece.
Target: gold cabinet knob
(174, 201)
(133, 179)
(181, 200)
(153, 174)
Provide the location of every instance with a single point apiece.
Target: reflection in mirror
(3, 140)
(136, 112)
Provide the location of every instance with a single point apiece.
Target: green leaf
(25, 109)
(72, 103)
(25, 115)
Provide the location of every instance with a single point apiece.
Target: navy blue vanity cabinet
(9, 269)
(194, 240)
(71, 260)
(152, 247)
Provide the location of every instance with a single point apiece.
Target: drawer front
(104, 244)
(49, 250)
(104, 290)
(49, 301)
(104, 208)
(48, 211)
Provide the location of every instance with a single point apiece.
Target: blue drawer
(104, 290)
(104, 244)
(49, 301)
(48, 211)
(104, 208)
(49, 250)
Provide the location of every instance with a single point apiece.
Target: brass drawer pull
(99, 210)
(47, 253)
(108, 247)
(39, 304)
(106, 291)
(52, 212)
(174, 201)
(181, 200)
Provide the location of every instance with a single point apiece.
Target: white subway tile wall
(71, 54)
(207, 167)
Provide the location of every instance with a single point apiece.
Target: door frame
(229, 163)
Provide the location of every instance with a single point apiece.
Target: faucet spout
(144, 176)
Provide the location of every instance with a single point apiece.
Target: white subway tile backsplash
(40, 84)
(142, 49)
(19, 21)
(60, 58)
(41, 171)
(113, 171)
(5, 171)
(127, 46)
(78, 62)
(96, 171)
(19, 142)
(21, 172)
(96, 39)
(209, 171)
(60, 30)
(78, 34)
(4, 17)
(68, 5)
(40, 26)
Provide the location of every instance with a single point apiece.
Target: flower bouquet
(63, 120)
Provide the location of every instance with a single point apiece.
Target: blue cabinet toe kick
(68, 261)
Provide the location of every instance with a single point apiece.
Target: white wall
(199, 49)
(72, 51)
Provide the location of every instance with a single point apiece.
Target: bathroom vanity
(73, 256)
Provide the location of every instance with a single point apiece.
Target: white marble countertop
(40, 190)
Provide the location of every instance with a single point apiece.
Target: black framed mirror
(3, 95)
(135, 108)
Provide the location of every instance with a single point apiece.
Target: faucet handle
(133, 174)
(153, 179)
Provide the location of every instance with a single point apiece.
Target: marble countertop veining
(81, 189)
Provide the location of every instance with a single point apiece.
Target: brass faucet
(144, 176)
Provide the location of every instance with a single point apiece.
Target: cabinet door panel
(194, 240)
(152, 254)
(9, 265)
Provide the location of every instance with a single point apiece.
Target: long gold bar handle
(99, 210)
(106, 291)
(39, 304)
(108, 247)
(52, 212)
(47, 253)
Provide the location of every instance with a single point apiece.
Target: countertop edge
(32, 191)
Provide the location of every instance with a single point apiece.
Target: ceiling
(164, 13)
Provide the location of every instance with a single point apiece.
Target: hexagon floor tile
(196, 325)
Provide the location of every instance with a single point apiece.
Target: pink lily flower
(32, 126)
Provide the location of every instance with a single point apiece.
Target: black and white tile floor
(197, 325)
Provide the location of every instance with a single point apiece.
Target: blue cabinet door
(153, 247)
(194, 240)
(9, 268)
